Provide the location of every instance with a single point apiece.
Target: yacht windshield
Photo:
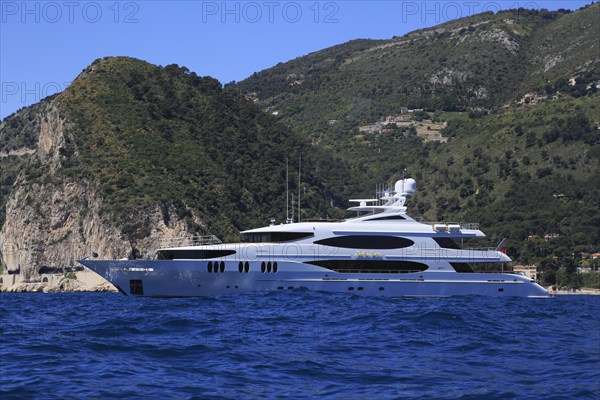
(262, 237)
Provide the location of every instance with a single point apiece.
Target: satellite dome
(406, 187)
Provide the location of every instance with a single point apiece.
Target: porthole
(241, 267)
(381, 288)
(246, 267)
(222, 266)
(360, 288)
(290, 287)
(209, 266)
(269, 266)
(351, 288)
(275, 267)
(263, 267)
(501, 290)
(279, 287)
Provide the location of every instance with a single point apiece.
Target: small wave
(298, 344)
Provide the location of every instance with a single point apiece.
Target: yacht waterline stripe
(390, 281)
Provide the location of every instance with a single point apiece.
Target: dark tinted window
(446, 243)
(367, 242)
(136, 287)
(192, 254)
(261, 237)
(389, 217)
(370, 266)
(481, 267)
(461, 267)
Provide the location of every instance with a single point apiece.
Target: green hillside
(146, 136)
(475, 63)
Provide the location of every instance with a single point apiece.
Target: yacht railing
(462, 225)
(469, 225)
(322, 220)
(182, 241)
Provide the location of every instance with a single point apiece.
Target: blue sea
(298, 345)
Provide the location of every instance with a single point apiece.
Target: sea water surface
(298, 345)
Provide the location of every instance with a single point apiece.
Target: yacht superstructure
(383, 252)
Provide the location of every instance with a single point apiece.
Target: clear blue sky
(45, 44)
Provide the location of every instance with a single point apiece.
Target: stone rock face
(82, 281)
(52, 222)
(53, 225)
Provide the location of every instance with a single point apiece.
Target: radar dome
(406, 187)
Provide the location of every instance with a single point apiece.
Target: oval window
(222, 266)
(246, 267)
(262, 267)
(269, 266)
(209, 266)
(241, 267)
(366, 242)
(371, 266)
(275, 267)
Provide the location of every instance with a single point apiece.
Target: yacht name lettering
(362, 254)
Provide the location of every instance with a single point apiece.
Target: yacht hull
(191, 278)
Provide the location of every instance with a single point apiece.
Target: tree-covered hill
(146, 136)
(474, 63)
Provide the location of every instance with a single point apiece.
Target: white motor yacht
(381, 252)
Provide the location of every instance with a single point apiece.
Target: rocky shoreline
(574, 291)
(80, 281)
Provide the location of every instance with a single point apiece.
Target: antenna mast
(287, 193)
(299, 171)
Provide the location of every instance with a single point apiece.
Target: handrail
(181, 241)
(469, 225)
(463, 225)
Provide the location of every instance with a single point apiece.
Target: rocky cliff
(52, 222)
